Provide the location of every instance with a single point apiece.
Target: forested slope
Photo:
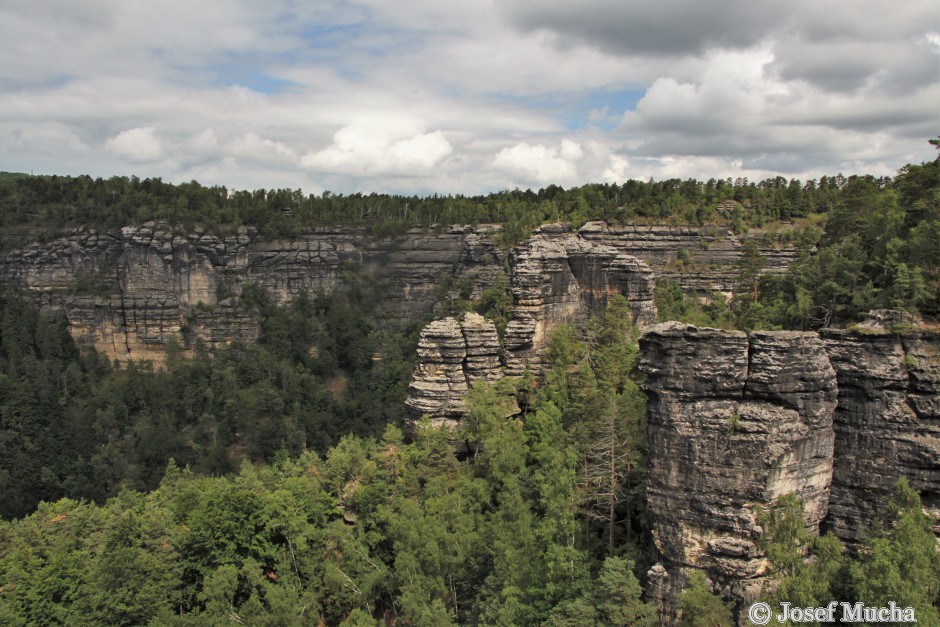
(302, 500)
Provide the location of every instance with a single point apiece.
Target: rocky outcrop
(559, 277)
(556, 278)
(734, 422)
(887, 424)
(130, 291)
(710, 252)
(452, 356)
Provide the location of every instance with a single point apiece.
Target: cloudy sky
(425, 96)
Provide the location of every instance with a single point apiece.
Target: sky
(468, 97)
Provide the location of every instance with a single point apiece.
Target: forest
(543, 523)
(274, 484)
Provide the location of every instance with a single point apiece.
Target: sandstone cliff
(887, 424)
(734, 422)
(559, 277)
(712, 252)
(130, 291)
(452, 355)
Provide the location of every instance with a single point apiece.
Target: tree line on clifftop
(53, 202)
(274, 483)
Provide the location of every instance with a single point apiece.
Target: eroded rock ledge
(452, 355)
(130, 291)
(887, 423)
(557, 277)
(734, 422)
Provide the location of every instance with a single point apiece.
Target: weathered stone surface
(712, 252)
(130, 291)
(153, 276)
(734, 422)
(887, 424)
(559, 277)
(452, 356)
(556, 278)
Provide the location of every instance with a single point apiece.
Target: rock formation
(712, 252)
(452, 356)
(734, 422)
(130, 291)
(556, 278)
(887, 424)
(559, 277)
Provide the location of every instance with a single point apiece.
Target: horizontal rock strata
(146, 280)
(887, 424)
(734, 422)
(130, 291)
(452, 355)
(712, 252)
(559, 277)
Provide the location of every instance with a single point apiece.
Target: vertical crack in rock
(559, 277)
(556, 278)
(452, 356)
(887, 424)
(163, 273)
(734, 422)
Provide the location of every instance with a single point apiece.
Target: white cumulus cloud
(253, 146)
(138, 145)
(380, 147)
(539, 163)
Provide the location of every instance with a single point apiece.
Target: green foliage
(673, 303)
(72, 425)
(542, 522)
(53, 202)
(878, 250)
(901, 564)
(700, 607)
(496, 302)
(898, 563)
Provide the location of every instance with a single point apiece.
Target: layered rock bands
(130, 291)
(737, 421)
(887, 423)
(556, 278)
(452, 355)
(734, 422)
(559, 278)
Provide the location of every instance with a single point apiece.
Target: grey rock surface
(887, 424)
(734, 422)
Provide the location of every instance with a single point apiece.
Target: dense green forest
(57, 201)
(542, 523)
(71, 424)
(878, 247)
(271, 483)
(53, 202)
(866, 242)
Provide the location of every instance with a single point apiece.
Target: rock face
(734, 422)
(887, 424)
(559, 277)
(712, 252)
(556, 278)
(452, 355)
(130, 291)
